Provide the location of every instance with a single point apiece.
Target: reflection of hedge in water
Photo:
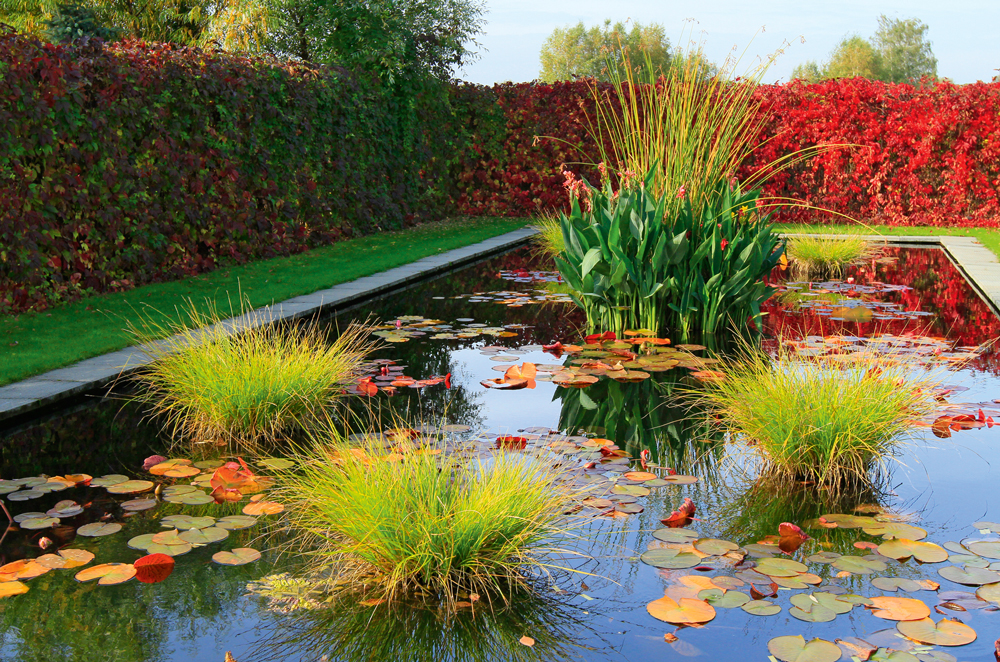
(938, 288)
(636, 416)
(350, 633)
(97, 438)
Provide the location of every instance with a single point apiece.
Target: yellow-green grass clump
(248, 387)
(814, 419)
(390, 523)
(549, 240)
(827, 256)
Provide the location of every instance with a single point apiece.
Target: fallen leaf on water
(153, 568)
(670, 637)
(527, 641)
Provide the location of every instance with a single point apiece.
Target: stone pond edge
(92, 376)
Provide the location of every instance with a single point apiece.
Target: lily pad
(198, 537)
(945, 632)
(969, 576)
(25, 495)
(668, 534)
(892, 584)
(761, 608)
(895, 530)
(270, 508)
(65, 509)
(858, 565)
(170, 550)
(796, 649)
(98, 529)
(670, 559)
(185, 522)
(36, 523)
(141, 542)
(8, 589)
(685, 610)
(823, 557)
(107, 573)
(239, 556)
(714, 547)
(989, 549)
(280, 463)
(902, 548)
(110, 479)
(631, 490)
(989, 592)
(131, 487)
(727, 600)
(780, 567)
(236, 522)
(138, 505)
(893, 608)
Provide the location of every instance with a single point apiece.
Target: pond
(471, 326)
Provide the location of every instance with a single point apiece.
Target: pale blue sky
(963, 32)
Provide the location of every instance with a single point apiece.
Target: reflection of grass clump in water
(828, 257)
(386, 523)
(816, 420)
(212, 384)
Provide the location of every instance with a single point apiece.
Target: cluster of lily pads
(516, 299)
(845, 301)
(211, 481)
(408, 327)
(756, 572)
(530, 276)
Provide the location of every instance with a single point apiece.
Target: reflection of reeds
(825, 257)
(833, 422)
(412, 632)
(212, 382)
(421, 517)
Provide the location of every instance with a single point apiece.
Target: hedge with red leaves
(920, 156)
(131, 163)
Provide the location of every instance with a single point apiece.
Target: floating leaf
(823, 557)
(670, 559)
(263, 508)
(685, 610)
(25, 495)
(185, 522)
(899, 609)
(639, 476)
(76, 557)
(714, 547)
(796, 649)
(631, 490)
(131, 487)
(137, 505)
(989, 549)
(109, 573)
(236, 522)
(65, 509)
(8, 589)
(727, 600)
(36, 523)
(945, 632)
(848, 521)
(239, 556)
(98, 529)
(110, 479)
(895, 530)
(969, 576)
(896, 584)
(153, 568)
(902, 548)
(780, 567)
(170, 550)
(199, 537)
(676, 535)
(858, 565)
(989, 592)
(761, 608)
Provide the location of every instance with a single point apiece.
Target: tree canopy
(899, 52)
(575, 51)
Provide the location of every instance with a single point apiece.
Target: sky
(962, 32)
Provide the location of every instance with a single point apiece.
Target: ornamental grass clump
(385, 523)
(814, 419)
(213, 384)
(826, 257)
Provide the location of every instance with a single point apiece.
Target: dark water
(203, 610)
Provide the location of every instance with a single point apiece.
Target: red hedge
(920, 156)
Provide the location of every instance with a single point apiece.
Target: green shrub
(828, 256)
(817, 420)
(419, 519)
(692, 274)
(211, 384)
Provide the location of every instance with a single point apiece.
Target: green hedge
(133, 163)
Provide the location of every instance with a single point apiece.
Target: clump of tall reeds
(213, 382)
(814, 419)
(826, 257)
(549, 240)
(388, 522)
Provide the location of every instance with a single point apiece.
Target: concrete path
(95, 374)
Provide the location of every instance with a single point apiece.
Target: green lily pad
(858, 565)
(198, 537)
(849, 521)
(759, 551)
(727, 600)
(989, 549)
(51, 486)
(98, 529)
(239, 556)
(823, 557)
(208, 465)
(36, 523)
(667, 534)
(814, 613)
(761, 608)
(796, 649)
(280, 463)
(24, 495)
(895, 530)
(969, 576)
(631, 490)
(131, 487)
(185, 522)
(827, 600)
(170, 550)
(141, 542)
(176, 490)
(670, 559)
(714, 546)
(780, 567)
(138, 505)
(110, 479)
(236, 522)
(892, 584)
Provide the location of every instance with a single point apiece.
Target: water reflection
(355, 633)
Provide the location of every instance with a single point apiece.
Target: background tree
(72, 21)
(905, 49)
(898, 53)
(575, 51)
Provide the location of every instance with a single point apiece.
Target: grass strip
(988, 237)
(36, 342)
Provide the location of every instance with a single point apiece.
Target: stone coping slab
(20, 399)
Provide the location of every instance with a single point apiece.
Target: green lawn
(987, 236)
(36, 342)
